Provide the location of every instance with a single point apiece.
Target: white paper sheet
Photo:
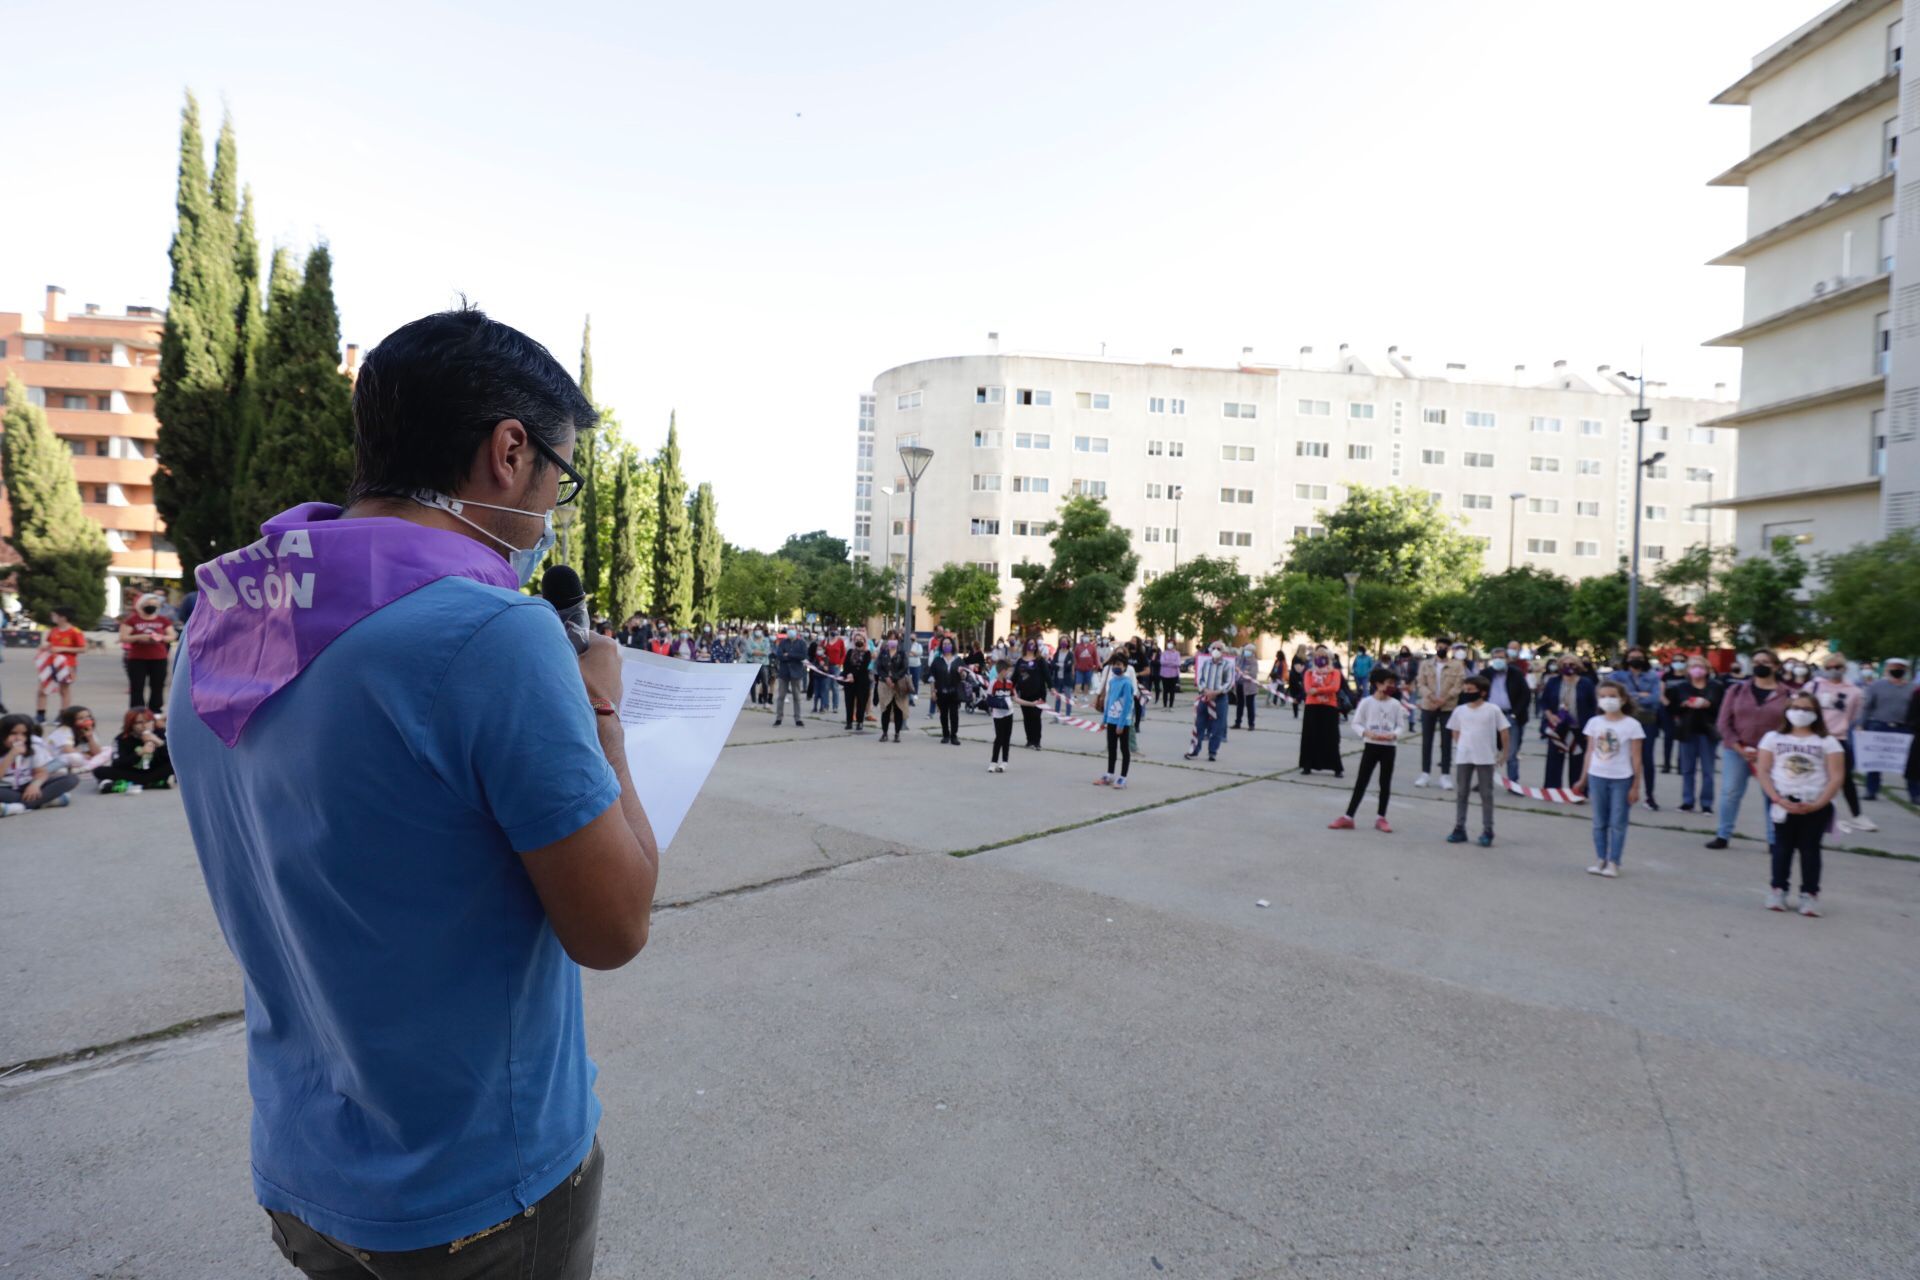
(676, 715)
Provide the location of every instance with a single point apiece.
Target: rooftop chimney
(993, 343)
(1403, 363)
(1178, 352)
(1719, 390)
(1519, 372)
(93, 308)
(1343, 348)
(56, 302)
(1454, 366)
(1559, 364)
(1246, 353)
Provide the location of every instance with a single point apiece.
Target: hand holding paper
(676, 716)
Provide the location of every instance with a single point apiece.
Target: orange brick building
(94, 374)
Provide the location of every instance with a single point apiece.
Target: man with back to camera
(412, 809)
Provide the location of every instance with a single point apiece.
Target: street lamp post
(914, 458)
(887, 557)
(1177, 491)
(1352, 579)
(1706, 581)
(1513, 518)
(1639, 415)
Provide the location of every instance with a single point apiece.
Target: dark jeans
(1002, 740)
(51, 789)
(1801, 833)
(1169, 688)
(553, 1240)
(949, 714)
(857, 704)
(1373, 755)
(1030, 718)
(147, 673)
(1245, 703)
(1117, 744)
(1429, 722)
(1647, 771)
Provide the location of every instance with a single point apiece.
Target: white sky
(766, 204)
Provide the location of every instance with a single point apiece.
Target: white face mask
(1609, 704)
(523, 560)
(1459, 655)
(1801, 717)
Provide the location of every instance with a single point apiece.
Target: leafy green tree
(1205, 597)
(1440, 614)
(627, 591)
(1597, 612)
(1295, 603)
(193, 392)
(963, 596)
(1526, 603)
(250, 325)
(305, 449)
(672, 535)
(757, 587)
(1759, 599)
(854, 593)
(813, 554)
(1687, 581)
(63, 555)
(705, 519)
(1870, 595)
(589, 450)
(1390, 537)
(1086, 582)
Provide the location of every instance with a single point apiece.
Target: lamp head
(915, 457)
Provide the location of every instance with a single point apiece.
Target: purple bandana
(269, 608)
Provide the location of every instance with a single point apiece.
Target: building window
(1236, 495)
(1308, 531)
(1235, 538)
(1433, 457)
(1653, 512)
(1177, 407)
(1587, 466)
(1092, 400)
(1315, 409)
(1890, 145)
(1173, 533)
(1696, 514)
(986, 439)
(1238, 409)
(983, 483)
(984, 528)
(1657, 471)
(1543, 546)
(1586, 508)
(1237, 453)
(1360, 411)
(1359, 453)
(1090, 488)
(1798, 532)
(1476, 460)
(1877, 431)
(1663, 432)
(1032, 440)
(1176, 448)
(1312, 449)
(1886, 246)
(1544, 426)
(1030, 484)
(1090, 444)
(1543, 506)
(1543, 464)
(907, 400)
(1476, 502)
(1480, 418)
(1156, 404)
(1155, 491)
(1434, 417)
(1156, 448)
(3, 348)
(1699, 435)
(1586, 548)
(74, 402)
(1176, 491)
(1882, 344)
(1591, 427)
(1435, 498)
(1310, 492)
(77, 355)
(1704, 475)
(77, 447)
(1653, 551)
(1028, 396)
(989, 395)
(1150, 534)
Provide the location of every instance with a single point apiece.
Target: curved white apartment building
(1240, 460)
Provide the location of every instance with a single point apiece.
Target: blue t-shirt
(415, 1051)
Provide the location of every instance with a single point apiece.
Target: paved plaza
(1082, 1050)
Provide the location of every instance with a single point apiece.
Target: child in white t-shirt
(1479, 732)
(1378, 721)
(1611, 775)
(1800, 769)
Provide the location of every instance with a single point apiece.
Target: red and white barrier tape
(1078, 722)
(1557, 795)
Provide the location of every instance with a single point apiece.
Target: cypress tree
(626, 591)
(250, 321)
(63, 554)
(192, 395)
(706, 553)
(587, 449)
(305, 451)
(673, 536)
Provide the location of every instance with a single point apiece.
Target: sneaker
(1341, 823)
(1486, 840)
(1380, 824)
(1776, 899)
(1191, 755)
(1611, 870)
(1863, 823)
(120, 787)
(1457, 836)
(1706, 808)
(1716, 843)
(1653, 804)
(9, 810)
(1686, 808)
(1446, 783)
(993, 768)
(1420, 781)
(778, 723)
(1597, 869)
(1211, 759)
(134, 788)
(1119, 784)
(1809, 902)
(1843, 826)
(1104, 780)
(107, 785)
(58, 802)
(798, 723)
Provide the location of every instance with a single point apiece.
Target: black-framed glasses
(571, 481)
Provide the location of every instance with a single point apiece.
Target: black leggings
(147, 673)
(1847, 788)
(1800, 833)
(857, 704)
(1002, 740)
(1030, 716)
(949, 704)
(891, 713)
(50, 790)
(1372, 754)
(152, 776)
(1117, 739)
(1169, 689)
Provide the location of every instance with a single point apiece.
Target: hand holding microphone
(561, 588)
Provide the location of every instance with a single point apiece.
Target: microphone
(560, 586)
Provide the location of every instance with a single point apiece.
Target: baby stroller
(973, 690)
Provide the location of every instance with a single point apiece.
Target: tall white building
(1241, 460)
(1830, 388)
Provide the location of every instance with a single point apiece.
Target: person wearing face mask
(1362, 668)
(1800, 769)
(148, 636)
(1507, 690)
(1750, 710)
(790, 675)
(1566, 703)
(411, 803)
(857, 682)
(1610, 777)
(1842, 704)
(1693, 708)
(1676, 670)
(1212, 679)
(1030, 682)
(1246, 693)
(892, 684)
(1118, 695)
(1297, 677)
(1642, 684)
(945, 677)
(1889, 704)
(1320, 721)
(760, 654)
(1378, 722)
(1437, 690)
(1169, 674)
(1479, 734)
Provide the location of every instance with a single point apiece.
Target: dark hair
(70, 716)
(1479, 682)
(9, 723)
(432, 392)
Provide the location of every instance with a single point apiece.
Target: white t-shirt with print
(1800, 764)
(19, 772)
(1611, 746)
(1479, 725)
